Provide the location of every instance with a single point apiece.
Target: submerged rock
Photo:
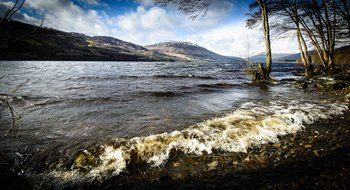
(322, 83)
(333, 85)
(83, 160)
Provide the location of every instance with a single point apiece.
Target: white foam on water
(252, 125)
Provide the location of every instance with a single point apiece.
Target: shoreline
(318, 156)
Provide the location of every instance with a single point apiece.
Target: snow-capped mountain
(187, 51)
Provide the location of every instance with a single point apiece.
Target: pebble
(316, 153)
(176, 164)
(277, 145)
(212, 165)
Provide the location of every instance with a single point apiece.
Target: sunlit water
(150, 108)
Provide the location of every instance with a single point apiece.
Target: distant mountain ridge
(275, 57)
(290, 58)
(341, 56)
(51, 44)
(187, 51)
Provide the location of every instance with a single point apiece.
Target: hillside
(49, 44)
(342, 56)
(289, 58)
(187, 52)
(262, 57)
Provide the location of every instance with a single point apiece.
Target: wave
(98, 78)
(160, 93)
(218, 85)
(252, 125)
(170, 76)
(182, 77)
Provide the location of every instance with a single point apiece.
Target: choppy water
(147, 109)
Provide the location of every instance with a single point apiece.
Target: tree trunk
(266, 29)
(331, 64)
(304, 58)
(304, 53)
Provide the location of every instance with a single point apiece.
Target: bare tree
(259, 11)
(287, 19)
(319, 21)
(343, 9)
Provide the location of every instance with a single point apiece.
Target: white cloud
(148, 25)
(145, 26)
(67, 16)
(235, 39)
(7, 4)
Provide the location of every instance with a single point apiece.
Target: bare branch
(192, 8)
(14, 117)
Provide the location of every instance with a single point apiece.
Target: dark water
(67, 107)
(124, 99)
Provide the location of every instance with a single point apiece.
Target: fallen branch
(6, 99)
(14, 117)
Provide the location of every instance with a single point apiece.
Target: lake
(107, 111)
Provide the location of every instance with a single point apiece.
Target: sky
(222, 29)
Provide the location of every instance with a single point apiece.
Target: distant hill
(275, 57)
(289, 58)
(188, 52)
(50, 44)
(342, 56)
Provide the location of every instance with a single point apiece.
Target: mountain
(275, 57)
(289, 58)
(33, 43)
(187, 51)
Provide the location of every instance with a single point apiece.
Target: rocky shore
(316, 157)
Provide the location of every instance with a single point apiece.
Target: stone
(277, 145)
(176, 164)
(83, 159)
(213, 165)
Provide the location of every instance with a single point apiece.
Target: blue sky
(142, 22)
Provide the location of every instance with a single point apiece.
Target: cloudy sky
(222, 29)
